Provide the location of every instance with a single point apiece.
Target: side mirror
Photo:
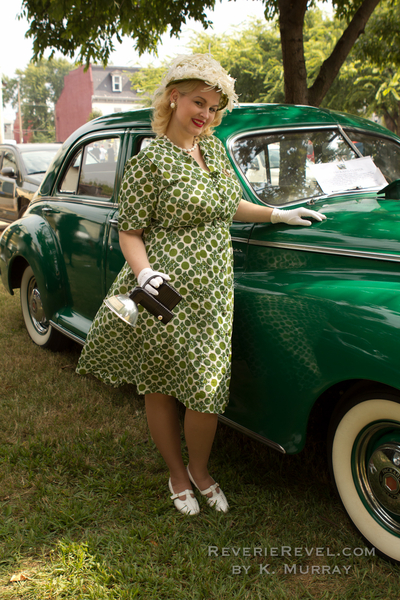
(9, 172)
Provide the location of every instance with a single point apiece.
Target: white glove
(155, 283)
(293, 217)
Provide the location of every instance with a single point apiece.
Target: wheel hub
(384, 476)
(36, 309)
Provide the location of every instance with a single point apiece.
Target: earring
(172, 105)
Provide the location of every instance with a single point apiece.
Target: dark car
(317, 309)
(22, 168)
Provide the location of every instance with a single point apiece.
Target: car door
(80, 212)
(136, 141)
(8, 184)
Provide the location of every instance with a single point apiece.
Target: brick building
(107, 90)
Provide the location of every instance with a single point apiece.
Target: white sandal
(217, 500)
(189, 506)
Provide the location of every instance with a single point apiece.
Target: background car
(22, 168)
(317, 309)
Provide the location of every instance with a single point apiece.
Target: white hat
(202, 67)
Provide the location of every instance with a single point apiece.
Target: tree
(252, 55)
(90, 28)
(383, 32)
(291, 15)
(366, 84)
(94, 115)
(40, 87)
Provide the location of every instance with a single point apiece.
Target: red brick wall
(75, 103)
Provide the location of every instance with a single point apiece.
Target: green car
(317, 309)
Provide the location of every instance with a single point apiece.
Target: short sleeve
(138, 194)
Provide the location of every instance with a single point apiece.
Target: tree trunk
(291, 23)
(392, 121)
(331, 66)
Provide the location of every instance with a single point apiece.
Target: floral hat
(204, 68)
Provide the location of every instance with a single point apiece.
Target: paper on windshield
(356, 174)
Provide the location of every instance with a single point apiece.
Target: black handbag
(160, 306)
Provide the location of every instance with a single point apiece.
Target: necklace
(187, 150)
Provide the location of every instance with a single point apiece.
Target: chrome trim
(102, 133)
(252, 434)
(240, 240)
(247, 132)
(328, 250)
(68, 334)
(62, 198)
(351, 144)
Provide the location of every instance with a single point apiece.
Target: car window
(91, 171)
(278, 166)
(37, 161)
(384, 152)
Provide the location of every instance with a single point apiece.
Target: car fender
(294, 341)
(31, 240)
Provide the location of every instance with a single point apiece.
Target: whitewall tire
(364, 453)
(39, 329)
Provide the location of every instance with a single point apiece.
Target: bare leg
(163, 421)
(200, 431)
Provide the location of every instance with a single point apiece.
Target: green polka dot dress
(186, 213)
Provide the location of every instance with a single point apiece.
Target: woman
(178, 198)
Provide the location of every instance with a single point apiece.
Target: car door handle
(114, 222)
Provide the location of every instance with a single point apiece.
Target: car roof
(244, 117)
(31, 147)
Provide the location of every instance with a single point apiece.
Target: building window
(116, 83)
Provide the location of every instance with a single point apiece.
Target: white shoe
(189, 506)
(217, 500)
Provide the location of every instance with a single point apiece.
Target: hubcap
(384, 476)
(36, 309)
(376, 468)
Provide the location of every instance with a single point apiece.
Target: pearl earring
(173, 105)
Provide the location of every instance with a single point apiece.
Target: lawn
(86, 512)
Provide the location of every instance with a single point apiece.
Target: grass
(86, 514)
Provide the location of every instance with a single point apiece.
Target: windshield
(289, 166)
(37, 161)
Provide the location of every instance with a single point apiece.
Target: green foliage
(367, 84)
(89, 28)
(146, 82)
(94, 115)
(40, 87)
(320, 36)
(9, 88)
(253, 56)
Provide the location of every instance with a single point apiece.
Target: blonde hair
(163, 112)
